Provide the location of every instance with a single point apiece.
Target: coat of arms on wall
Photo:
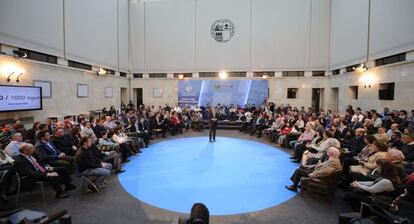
(222, 30)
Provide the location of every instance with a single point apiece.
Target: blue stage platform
(231, 176)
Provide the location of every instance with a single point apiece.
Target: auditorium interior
(207, 111)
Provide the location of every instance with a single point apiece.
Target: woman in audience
(362, 156)
(91, 165)
(384, 185)
(366, 166)
(122, 149)
(121, 138)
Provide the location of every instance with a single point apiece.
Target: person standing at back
(212, 116)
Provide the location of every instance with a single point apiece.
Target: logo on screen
(222, 30)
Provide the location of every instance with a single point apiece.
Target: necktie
(37, 165)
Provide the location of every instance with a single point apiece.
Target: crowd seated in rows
(368, 152)
(375, 150)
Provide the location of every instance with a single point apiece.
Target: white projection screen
(20, 98)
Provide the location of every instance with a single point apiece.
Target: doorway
(138, 96)
(316, 99)
(124, 95)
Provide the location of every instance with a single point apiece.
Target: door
(316, 97)
(138, 96)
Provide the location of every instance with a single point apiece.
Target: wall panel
(33, 24)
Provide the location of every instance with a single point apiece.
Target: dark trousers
(299, 149)
(299, 173)
(347, 162)
(355, 197)
(55, 182)
(212, 133)
(66, 161)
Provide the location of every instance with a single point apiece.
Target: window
(110, 72)
(122, 74)
(261, 74)
(137, 75)
(292, 93)
(158, 75)
(79, 65)
(390, 59)
(318, 73)
(208, 74)
(186, 75)
(236, 74)
(353, 92)
(386, 91)
(293, 74)
(33, 55)
(351, 68)
(336, 72)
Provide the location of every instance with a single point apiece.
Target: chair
(86, 181)
(324, 186)
(20, 179)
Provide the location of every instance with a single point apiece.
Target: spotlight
(8, 77)
(265, 76)
(18, 80)
(223, 75)
(19, 54)
(181, 76)
(361, 68)
(102, 71)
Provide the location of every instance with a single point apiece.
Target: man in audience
(67, 123)
(91, 165)
(408, 147)
(63, 142)
(395, 141)
(99, 127)
(12, 149)
(332, 165)
(27, 165)
(259, 125)
(357, 142)
(109, 124)
(49, 154)
(394, 128)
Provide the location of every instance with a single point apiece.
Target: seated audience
(28, 166)
(92, 165)
(64, 142)
(50, 154)
(332, 165)
(385, 184)
(12, 149)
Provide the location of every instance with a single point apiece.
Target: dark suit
(64, 144)
(258, 126)
(49, 154)
(25, 167)
(213, 126)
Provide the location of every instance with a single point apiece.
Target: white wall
(91, 32)
(137, 35)
(401, 75)
(392, 27)
(64, 80)
(170, 35)
(174, 35)
(123, 36)
(33, 24)
(349, 32)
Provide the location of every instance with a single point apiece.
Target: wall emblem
(222, 30)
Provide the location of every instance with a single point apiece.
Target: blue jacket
(45, 152)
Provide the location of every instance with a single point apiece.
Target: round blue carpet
(230, 176)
